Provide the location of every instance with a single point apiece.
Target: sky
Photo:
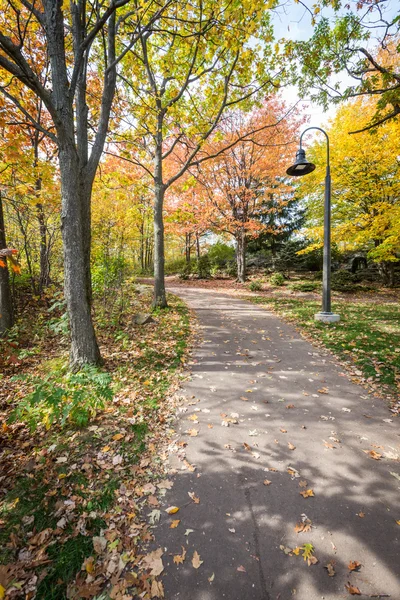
(293, 21)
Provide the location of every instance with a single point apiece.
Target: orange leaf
(352, 589)
(354, 565)
(174, 524)
(307, 493)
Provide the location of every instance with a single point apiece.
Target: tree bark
(386, 271)
(241, 255)
(6, 305)
(77, 289)
(159, 299)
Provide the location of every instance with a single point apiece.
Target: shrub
(185, 270)
(277, 279)
(219, 254)
(231, 268)
(203, 267)
(69, 398)
(255, 286)
(344, 281)
(172, 267)
(306, 286)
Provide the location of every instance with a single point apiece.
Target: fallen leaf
(303, 483)
(211, 579)
(179, 558)
(330, 567)
(196, 562)
(352, 589)
(303, 526)
(291, 447)
(283, 430)
(189, 531)
(289, 405)
(307, 493)
(246, 447)
(193, 418)
(157, 590)
(267, 482)
(241, 569)
(174, 524)
(354, 565)
(195, 499)
(361, 514)
(99, 544)
(373, 454)
(323, 390)
(171, 510)
(153, 561)
(210, 426)
(118, 436)
(192, 432)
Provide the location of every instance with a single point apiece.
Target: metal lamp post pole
(326, 314)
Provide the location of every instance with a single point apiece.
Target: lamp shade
(301, 166)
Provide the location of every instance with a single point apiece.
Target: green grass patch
(368, 334)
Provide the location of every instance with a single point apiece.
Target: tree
(241, 184)
(78, 97)
(203, 60)
(366, 187)
(6, 305)
(341, 44)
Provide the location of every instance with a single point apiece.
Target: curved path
(270, 407)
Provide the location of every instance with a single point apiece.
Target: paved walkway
(272, 408)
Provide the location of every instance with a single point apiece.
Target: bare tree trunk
(187, 247)
(159, 299)
(241, 255)
(6, 305)
(198, 245)
(77, 289)
(44, 278)
(386, 271)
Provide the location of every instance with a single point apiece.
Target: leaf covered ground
(72, 499)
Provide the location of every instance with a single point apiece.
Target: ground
(269, 475)
(286, 474)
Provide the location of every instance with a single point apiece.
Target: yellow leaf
(89, 565)
(2, 592)
(297, 550)
(172, 510)
(118, 436)
(105, 449)
(398, 522)
(174, 524)
(192, 432)
(307, 493)
(195, 499)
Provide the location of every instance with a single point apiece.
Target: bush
(219, 254)
(185, 270)
(70, 398)
(172, 267)
(344, 281)
(203, 267)
(255, 286)
(306, 286)
(231, 268)
(108, 274)
(277, 279)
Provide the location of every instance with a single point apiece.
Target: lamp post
(303, 167)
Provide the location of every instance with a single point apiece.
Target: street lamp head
(301, 166)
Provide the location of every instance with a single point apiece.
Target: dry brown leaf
(352, 589)
(241, 569)
(179, 558)
(303, 526)
(289, 405)
(307, 493)
(196, 562)
(361, 514)
(354, 565)
(244, 398)
(195, 499)
(193, 417)
(157, 590)
(267, 482)
(323, 390)
(174, 524)
(291, 447)
(192, 432)
(210, 426)
(246, 447)
(283, 430)
(153, 561)
(330, 567)
(373, 454)
(303, 483)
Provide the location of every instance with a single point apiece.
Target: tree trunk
(187, 247)
(77, 289)
(6, 306)
(241, 255)
(159, 299)
(198, 245)
(44, 278)
(386, 271)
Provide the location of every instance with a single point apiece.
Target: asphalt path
(267, 406)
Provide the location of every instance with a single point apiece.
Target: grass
(368, 335)
(145, 362)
